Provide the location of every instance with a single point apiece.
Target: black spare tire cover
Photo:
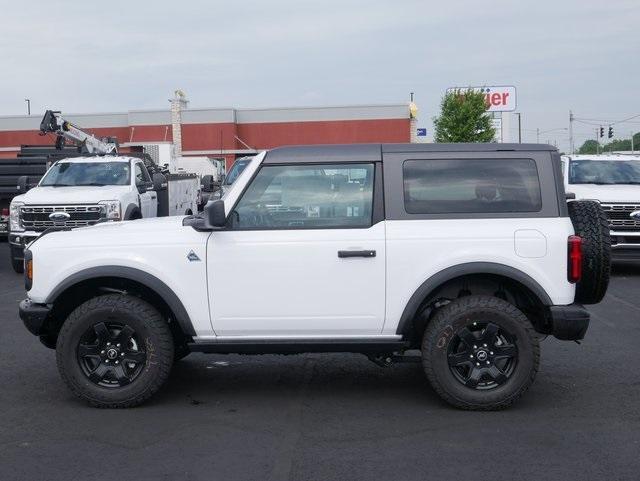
(591, 224)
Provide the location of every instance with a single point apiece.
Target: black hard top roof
(373, 152)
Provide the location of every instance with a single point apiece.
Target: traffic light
(601, 131)
(610, 132)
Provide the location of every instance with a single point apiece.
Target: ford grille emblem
(635, 214)
(59, 216)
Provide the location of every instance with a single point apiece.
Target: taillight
(5, 212)
(574, 265)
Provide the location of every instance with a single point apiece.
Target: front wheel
(480, 353)
(115, 351)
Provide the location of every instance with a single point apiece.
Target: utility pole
(571, 147)
(632, 149)
(538, 135)
(28, 106)
(519, 128)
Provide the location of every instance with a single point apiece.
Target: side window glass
(307, 197)
(461, 186)
(141, 178)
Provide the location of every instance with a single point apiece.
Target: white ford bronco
(465, 254)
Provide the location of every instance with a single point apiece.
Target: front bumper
(569, 323)
(625, 245)
(34, 316)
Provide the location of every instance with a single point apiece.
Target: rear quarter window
(460, 186)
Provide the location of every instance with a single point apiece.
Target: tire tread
(164, 348)
(458, 307)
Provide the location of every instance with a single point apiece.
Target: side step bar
(298, 346)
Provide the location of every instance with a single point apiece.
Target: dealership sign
(499, 98)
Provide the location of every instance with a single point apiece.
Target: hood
(606, 193)
(140, 232)
(74, 195)
(149, 226)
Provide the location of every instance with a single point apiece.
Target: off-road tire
(591, 224)
(18, 265)
(447, 323)
(152, 329)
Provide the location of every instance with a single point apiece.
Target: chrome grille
(36, 217)
(618, 215)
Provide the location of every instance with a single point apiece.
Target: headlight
(111, 208)
(15, 223)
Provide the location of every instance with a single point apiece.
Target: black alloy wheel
(115, 351)
(111, 355)
(482, 355)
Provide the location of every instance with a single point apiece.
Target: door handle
(343, 254)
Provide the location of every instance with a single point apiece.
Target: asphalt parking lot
(329, 417)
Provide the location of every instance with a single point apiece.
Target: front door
(304, 255)
(148, 198)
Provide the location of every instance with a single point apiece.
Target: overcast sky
(81, 56)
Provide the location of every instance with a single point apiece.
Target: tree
(592, 146)
(463, 118)
(589, 147)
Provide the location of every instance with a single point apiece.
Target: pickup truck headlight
(111, 209)
(15, 223)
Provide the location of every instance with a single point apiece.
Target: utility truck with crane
(98, 185)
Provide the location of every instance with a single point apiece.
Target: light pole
(28, 106)
(519, 127)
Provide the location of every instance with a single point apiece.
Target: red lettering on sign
(495, 98)
(504, 98)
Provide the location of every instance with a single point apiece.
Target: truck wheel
(480, 353)
(115, 351)
(18, 265)
(590, 222)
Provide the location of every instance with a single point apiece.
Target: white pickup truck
(83, 191)
(614, 181)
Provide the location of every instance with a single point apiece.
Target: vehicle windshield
(604, 172)
(73, 174)
(236, 170)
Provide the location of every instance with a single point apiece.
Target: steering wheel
(259, 216)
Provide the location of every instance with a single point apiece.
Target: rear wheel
(115, 351)
(480, 353)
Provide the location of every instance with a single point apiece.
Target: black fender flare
(437, 280)
(131, 274)
(131, 208)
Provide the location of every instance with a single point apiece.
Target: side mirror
(23, 183)
(142, 188)
(214, 214)
(208, 183)
(159, 182)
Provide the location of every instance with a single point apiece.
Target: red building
(228, 133)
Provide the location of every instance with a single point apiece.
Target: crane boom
(52, 122)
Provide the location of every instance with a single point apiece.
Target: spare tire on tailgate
(591, 224)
